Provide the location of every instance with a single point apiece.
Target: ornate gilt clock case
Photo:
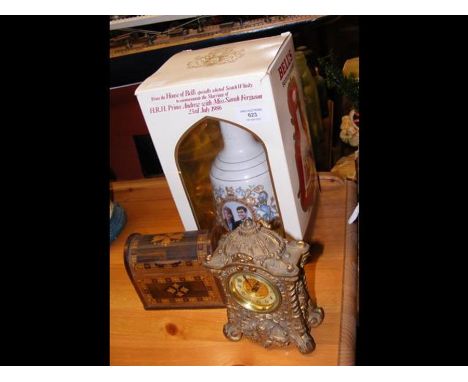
(264, 283)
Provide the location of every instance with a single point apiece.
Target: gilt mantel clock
(264, 283)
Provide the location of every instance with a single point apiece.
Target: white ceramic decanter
(241, 180)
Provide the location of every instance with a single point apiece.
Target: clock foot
(232, 332)
(267, 344)
(305, 343)
(315, 317)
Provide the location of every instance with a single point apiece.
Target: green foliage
(346, 86)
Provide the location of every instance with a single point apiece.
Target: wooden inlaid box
(167, 271)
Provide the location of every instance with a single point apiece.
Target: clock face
(254, 292)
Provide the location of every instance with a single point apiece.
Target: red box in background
(132, 154)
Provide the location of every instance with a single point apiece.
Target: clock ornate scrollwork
(264, 283)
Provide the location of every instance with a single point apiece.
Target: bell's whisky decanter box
(230, 130)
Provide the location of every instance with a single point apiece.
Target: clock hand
(248, 282)
(256, 287)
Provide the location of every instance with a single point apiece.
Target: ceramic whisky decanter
(241, 180)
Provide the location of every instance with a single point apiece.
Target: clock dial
(254, 292)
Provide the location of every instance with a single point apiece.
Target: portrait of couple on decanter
(234, 214)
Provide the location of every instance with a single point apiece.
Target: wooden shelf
(195, 337)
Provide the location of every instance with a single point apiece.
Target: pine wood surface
(195, 337)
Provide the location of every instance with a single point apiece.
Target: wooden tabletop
(195, 337)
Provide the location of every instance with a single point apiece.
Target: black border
(412, 284)
(55, 280)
